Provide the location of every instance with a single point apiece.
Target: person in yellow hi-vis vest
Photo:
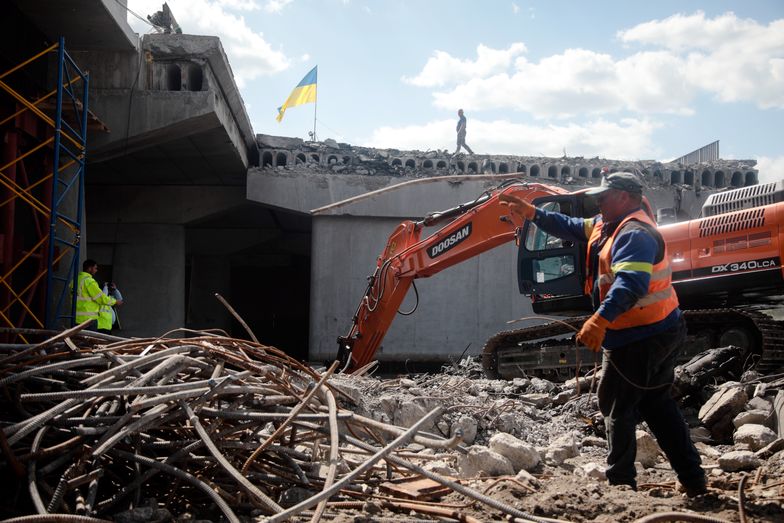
(89, 297)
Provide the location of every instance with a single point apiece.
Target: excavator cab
(551, 270)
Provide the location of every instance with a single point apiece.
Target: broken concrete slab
(719, 411)
(648, 450)
(756, 416)
(539, 385)
(410, 412)
(522, 455)
(594, 471)
(738, 460)
(755, 436)
(481, 461)
(538, 400)
(561, 449)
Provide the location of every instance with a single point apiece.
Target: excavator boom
(469, 229)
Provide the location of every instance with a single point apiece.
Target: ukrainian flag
(304, 93)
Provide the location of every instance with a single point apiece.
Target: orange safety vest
(658, 302)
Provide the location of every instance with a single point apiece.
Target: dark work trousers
(461, 143)
(649, 363)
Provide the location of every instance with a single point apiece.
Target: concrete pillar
(209, 274)
(150, 260)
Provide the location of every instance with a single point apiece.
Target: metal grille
(732, 222)
(744, 198)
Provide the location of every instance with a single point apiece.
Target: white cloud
(515, 8)
(684, 32)
(442, 68)
(240, 5)
(304, 58)
(653, 82)
(628, 139)
(276, 6)
(735, 59)
(577, 81)
(249, 52)
(770, 169)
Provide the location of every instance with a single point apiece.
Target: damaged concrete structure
(163, 183)
(337, 158)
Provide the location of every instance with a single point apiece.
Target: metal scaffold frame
(42, 168)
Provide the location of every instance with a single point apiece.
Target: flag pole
(315, 107)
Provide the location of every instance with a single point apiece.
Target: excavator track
(550, 351)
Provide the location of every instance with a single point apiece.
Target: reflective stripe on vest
(86, 307)
(80, 290)
(608, 279)
(658, 302)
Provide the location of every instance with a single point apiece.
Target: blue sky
(614, 79)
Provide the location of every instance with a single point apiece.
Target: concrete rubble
(278, 153)
(221, 429)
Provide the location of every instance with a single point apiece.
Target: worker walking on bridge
(637, 322)
(461, 132)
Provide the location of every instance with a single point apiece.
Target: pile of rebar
(212, 426)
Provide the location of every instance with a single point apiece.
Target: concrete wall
(462, 305)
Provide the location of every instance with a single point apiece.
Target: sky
(609, 79)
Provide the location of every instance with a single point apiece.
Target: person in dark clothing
(461, 133)
(637, 322)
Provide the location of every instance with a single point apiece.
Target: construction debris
(208, 427)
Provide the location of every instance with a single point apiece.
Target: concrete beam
(159, 204)
(85, 24)
(385, 196)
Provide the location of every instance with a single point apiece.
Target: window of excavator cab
(537, 239)
(553, 267)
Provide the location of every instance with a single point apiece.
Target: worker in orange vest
(636, 321)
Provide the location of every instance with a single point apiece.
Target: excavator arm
(468, 230)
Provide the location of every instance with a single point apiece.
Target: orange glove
(593, 331)
(518, 206)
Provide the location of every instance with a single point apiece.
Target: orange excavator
(726, 267)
